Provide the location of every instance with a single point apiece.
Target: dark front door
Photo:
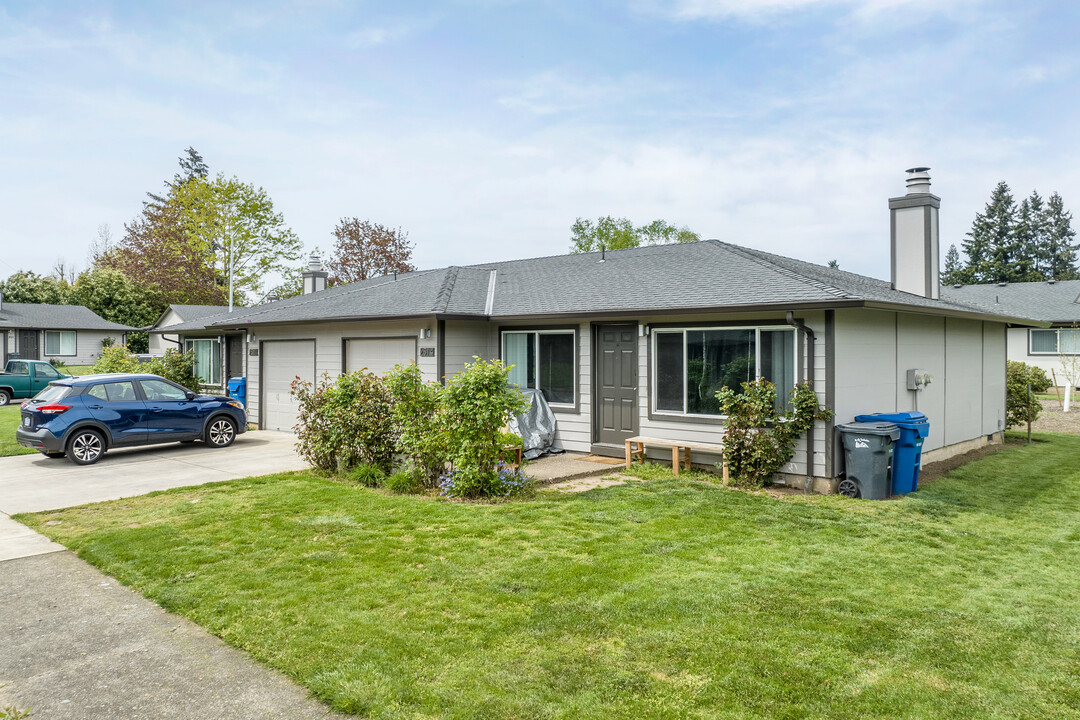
(234, 357)
(28, 345)
(616, 383)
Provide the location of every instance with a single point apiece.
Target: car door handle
(94, 407)
(155, 409)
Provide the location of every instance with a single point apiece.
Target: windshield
(52, 393)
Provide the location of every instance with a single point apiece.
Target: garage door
(282, 362)
(379, 355)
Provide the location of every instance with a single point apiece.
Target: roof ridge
(442, 297)
(750, 255)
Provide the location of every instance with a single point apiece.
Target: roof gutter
(810, 356)
(967, 315)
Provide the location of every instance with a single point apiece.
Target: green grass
(77, 369)
(667, 598)
(9, 420)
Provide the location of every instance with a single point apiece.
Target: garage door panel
(282, 362)
(379, 355)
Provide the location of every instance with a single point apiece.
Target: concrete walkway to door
(77, 644)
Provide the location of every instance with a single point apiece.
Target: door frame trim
(594, 330)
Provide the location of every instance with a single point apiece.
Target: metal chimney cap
(917, 170)
(315, 263)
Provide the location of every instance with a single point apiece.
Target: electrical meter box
(918, 379)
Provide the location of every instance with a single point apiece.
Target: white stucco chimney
(914, 228)
(314, 277)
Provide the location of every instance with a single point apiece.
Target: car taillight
(53, 409)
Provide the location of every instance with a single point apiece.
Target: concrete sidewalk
(79, 645)
(76, 644)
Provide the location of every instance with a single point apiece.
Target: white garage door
(282, 362)
(379, 355)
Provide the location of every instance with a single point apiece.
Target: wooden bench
(680, 451)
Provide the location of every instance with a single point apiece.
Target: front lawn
(668, 598)
(9, 420)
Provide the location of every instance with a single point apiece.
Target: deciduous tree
(364, 250)
(26, 286)
(618, 233)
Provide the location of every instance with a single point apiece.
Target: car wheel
(85, 447)
(54, 456)
(220, 432)
(5, 397)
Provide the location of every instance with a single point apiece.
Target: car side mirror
(190, 395)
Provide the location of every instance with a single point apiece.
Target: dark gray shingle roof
(54, 317)
(703, 275)
(1050, 302)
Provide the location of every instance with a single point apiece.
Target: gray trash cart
(868, 458)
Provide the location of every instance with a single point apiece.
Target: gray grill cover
(536, 426)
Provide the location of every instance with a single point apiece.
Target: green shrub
(419, 421)
(509, 438)
(346, 422)
(367, 475)
(405, 481)
(58, 364)
(176, 366)
(116, 359)
(758, 439)
(1017, 377)
(477, 403)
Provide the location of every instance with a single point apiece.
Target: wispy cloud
(758, 10)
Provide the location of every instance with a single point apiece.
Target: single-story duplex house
(638, 341)
(218, 355)
(1054, 302)
(71, 333)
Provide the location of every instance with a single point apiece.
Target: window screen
(1044, 341)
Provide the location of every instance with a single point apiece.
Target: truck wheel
(85, 447)
(5, 397)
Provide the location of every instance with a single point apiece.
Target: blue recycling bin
(907, 452)
(238, 389)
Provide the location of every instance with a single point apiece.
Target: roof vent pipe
(603, 252)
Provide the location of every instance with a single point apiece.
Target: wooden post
(1057, 390)
(1029, 413)
(676, 460)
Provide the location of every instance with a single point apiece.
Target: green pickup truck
(25, 378)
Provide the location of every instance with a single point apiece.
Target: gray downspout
(810, 353)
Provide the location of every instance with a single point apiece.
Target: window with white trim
(543, 360)
(1051, 341)
(59, 342)
(207, 359)
(691, 364)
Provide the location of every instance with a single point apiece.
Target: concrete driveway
(78, 645)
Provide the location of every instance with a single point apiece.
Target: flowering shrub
(758, 439)
(476, 404)
(507, 482)
(345, 422)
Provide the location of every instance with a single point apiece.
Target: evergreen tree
(953, 274)
(1025, 244)
(1037, 232)
(990, 246)
(1059, 250)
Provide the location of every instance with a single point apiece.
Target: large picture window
(691, 364)
(59, 342)
(542, 360)
(1052, 341)
(207, 360)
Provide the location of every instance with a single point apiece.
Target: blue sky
(484, 128)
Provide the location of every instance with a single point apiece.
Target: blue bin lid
(907, 420)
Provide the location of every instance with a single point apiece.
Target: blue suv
(82, 417)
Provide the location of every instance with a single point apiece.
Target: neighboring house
(638, 341)
(1055, 302)
(218, 356)
(71, 333)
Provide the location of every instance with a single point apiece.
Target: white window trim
(189, 346)
(757, 362)
(572, 332)
(60, 340)
(1057, 342)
